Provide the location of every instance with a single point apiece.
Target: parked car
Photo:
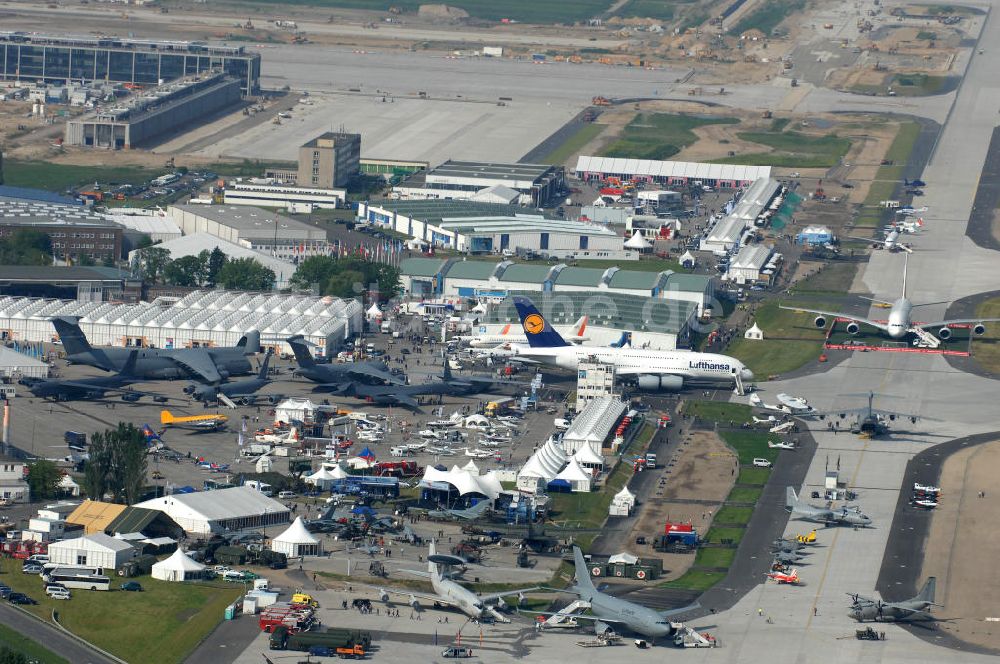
(761, 463)
(5, 591)
(20, 598)
(57, 592)
(32, 568)
(132, 586)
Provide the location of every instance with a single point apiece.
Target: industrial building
(75, 231)
(85, 284)
(477, 228)
(670, 173)
(760, 199)
(60, 58)
(194, 244)
(235, 223)
(436, 277)
(329, 161)
(154, 224)
(151, 115)
(289, 197)
(222, 510)
(462, 180)
(202, 318)
(97, 550)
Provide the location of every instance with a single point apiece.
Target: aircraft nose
(746, 374)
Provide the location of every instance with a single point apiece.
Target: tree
(187, 270)
(215, 261)
(43, 479)
(347, 284)
(8, 656)
(245, 274)
(339, 276)
(149, 263)
(117, 464)
(26, 246)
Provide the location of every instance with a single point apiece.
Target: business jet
(900, 322)
(909, 211)
(652, 370)
(890, 242)
(509, 334)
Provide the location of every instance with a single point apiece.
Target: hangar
(222, 510)
(677, 173)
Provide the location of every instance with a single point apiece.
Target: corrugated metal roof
(95, 515)
(579, 276)
(471, 270)
(634, 279)
(689, 283)
(133, 520)
(421, 267)
(668, 169)
(526, 274)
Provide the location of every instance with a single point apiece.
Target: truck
(137, 566)
(344, 642)
(292, 618)
(650, 460)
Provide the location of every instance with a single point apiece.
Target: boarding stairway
(689, 638)
(226, 400)
(927, 340)
(566, 613)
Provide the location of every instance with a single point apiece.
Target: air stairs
(689, 638)
(927, 340)
(226, 400)
(564, 617)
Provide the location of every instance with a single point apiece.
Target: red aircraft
(791, 578)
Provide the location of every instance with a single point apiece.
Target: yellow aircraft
(210, 422)
(806, 539)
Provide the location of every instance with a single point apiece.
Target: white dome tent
(297, 541)
(624, 557)
(623, 503)
(579, 479)
(471, 467)
(637, 243)
(336, 470)
(178, 567)
(464, 481)
(543, 466)
(588, 458)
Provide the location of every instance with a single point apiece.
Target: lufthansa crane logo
(534, 324)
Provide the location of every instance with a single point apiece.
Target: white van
(57, 592)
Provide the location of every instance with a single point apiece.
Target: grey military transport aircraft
(845, 516)
(864, 609)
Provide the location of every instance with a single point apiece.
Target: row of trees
(26, 246)
(346, 277)
(208, 269)
(117, 465)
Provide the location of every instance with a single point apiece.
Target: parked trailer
(333, 637)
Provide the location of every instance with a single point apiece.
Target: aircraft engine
(853, 328)
(944, 333)
(979, 329)
(383, 596)
(820, 321)
(246, 401)
(190, 389)
(274, 399)
(657, 383)
(414, 603)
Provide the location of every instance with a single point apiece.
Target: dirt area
(963, 544)
(702, 471)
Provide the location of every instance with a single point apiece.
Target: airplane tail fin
(263, 367)
(72, 337)
(302, 354)
(432, 566)
(926, 593)
(539, 332)
(478, 510)
(791, 499)
(583, 580)
(128, 370)
(446, 374)
(250, 342)
(166, 417)
(580, 326)
(624, 340)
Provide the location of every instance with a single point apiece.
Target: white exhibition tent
(322, 478)
(471, 467)
(373, 312)
(688, 260)
(624, 557)
(68, 486)
(588, 458)
(543, 466)
(637, 242)
(622, 503)
(178, 567)
(578, 478)
(464, 481)
(297, 541)
(294, 410)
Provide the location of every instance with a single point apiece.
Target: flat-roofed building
(537, 183)
(330, 160)
(289, 197)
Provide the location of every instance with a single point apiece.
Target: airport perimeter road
(50, 637)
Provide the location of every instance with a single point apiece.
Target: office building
(537, 184)
(329, 161)
(75, 231)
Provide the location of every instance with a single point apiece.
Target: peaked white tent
(588, 458)
(637, 242)
(322, 478)
(178, 567)
(373, 312)
(297, 541)
(68, 486)
(622, 503)
(543, 466)
(624, 557)
(471, 467)
(578, 478)
(464, 481)
(687, 260)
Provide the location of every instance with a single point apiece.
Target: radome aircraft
(651, 369)
(609, 612)
(864, 609)
(210, 365)
(845, 516)
(93, 388)
(510, 333)
(900, 322)
(451, 593)
(241, 391)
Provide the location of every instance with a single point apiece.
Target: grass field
(767, 17)
(917, 85)
(717, 535)
(33, 650)
(572, 145)
(661, 10)
(790, 342)
(659, 135)
(60, 177)
(986, 349)
(165, 622)
(525, 11)
(650, 265)
(733, 515)
(718, 411)
(792, 150)
(888, 177)
(745, 494)
(695, 579)
(719, 558)
(834, 278)
(756, 476)
(750, 445)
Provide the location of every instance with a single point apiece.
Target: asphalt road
(50, 637)
(980, 228)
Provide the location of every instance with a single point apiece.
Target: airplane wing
(839, 314)
(874, 240)
(368, 372)
(199, 362)
(578, 616)
(123, 390)
(418, 595)
(957, 321)
(406, 400)
(507, 593)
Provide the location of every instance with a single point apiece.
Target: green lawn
(833, 278)
(888, 177)
(753, 475)
(659, 135)
(60, 177)
(642, 265)
(160, 625)
(792, 150)
(749, 445)
(525, 11)
(719, 411)
(790, 341)
(33, 650)
(572, 145)
(986, 349)
(716, 535)
(695, 579)
(711, 557)
(733, 515)
(767, 17)
(661, 10)
(917, 85)
(745, 494)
